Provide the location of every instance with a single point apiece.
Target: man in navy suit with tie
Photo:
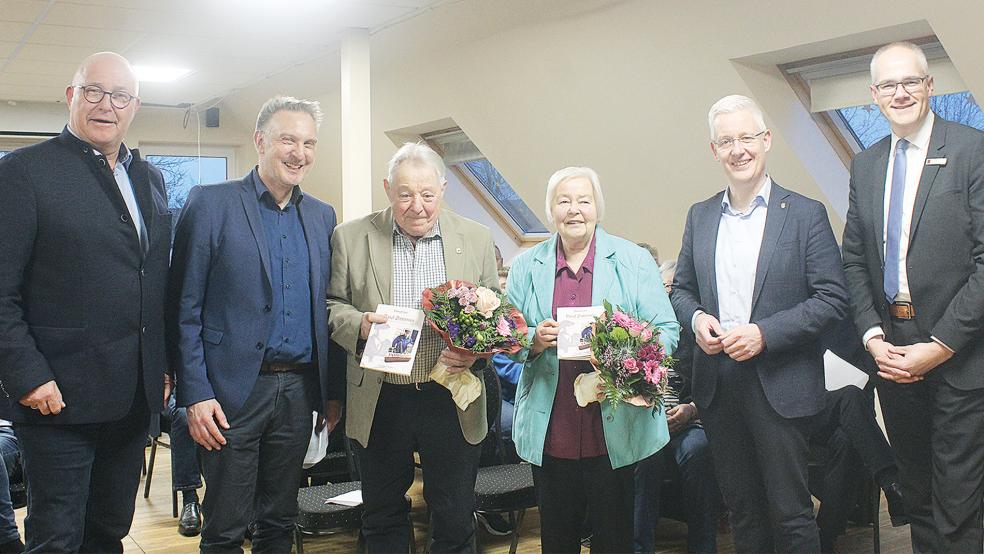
(248, 331)
(83, 263)
(759, 280)
(914, 260)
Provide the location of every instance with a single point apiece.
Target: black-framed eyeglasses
(727, 143)
(910, 84)
(94, 95)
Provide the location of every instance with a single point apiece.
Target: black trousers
(256, 474)
(570, 490)
(761, 463)
(425, 420)
(82, 482)
(857, 447)
(937, 433)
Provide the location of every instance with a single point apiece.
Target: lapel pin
(935, 161)
(782, 205)
(457, 251)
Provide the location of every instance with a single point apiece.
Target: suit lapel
(937, 141)
(251, 206)
(312, 234)
(454, 245)
(878, 195)
(381, 254)
(705, 248)
(775, 219)
(544, 271)
(140, 181)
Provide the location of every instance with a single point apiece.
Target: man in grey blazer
(914, 259)
(248, 331)
(759, 280)
(389, 257)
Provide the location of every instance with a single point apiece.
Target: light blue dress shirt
(739, 240)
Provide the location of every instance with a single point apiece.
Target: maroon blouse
(574, 432)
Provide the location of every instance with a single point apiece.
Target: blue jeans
(185, 474)
(10, 452)
(688, 450)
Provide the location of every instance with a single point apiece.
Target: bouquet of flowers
(472, 320)
(630, 362)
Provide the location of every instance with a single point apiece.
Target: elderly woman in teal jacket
(583, 458)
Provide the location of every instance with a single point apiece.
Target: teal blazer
(624, 274)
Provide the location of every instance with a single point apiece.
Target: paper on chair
(392, 346)
(352, 498)
(574, 338)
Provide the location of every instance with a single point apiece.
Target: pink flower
(621, 319)
(472, 297)
(647, 334)
(469, 309)
(503, 327)
(462, 301)
(631, 364)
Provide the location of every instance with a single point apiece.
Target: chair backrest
(493, 408)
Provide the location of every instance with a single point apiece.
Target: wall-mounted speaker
(212, 117)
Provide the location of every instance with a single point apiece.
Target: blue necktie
(893, 237)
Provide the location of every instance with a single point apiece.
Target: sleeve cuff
(870, 334)
(693, 320)
(943, 344)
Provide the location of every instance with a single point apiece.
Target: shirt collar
(761, 199)
(919, 139)
(586, 265)
(124, 157)
(295, 193)
(435, 231)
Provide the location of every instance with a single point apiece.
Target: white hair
(289, 104)
(416, 152)
(731, 104)
(669, 266)
(562, 175)
(914, 49)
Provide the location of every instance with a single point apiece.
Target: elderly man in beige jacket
(390, 257)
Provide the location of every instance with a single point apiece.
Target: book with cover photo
(574, 338)
(392, 346)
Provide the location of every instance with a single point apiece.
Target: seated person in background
(185, 474)
(10, 540)
(688, 450)
(847, 426)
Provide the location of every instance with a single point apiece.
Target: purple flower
(453, 330)
(470, 342)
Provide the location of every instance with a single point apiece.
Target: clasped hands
(906, 364)
(741, 343)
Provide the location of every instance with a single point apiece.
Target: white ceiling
(228, 44)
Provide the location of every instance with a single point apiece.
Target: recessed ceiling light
(159, 73)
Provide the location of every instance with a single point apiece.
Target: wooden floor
(154, 530)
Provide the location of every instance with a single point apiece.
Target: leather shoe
(896, 504)
(190, 522)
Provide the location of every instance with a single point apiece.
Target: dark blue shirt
(290, 338)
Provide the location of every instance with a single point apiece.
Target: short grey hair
(669, 266)
(288, 104)
(735, 103)
(565, 174)
(915, 49)
(416, 152)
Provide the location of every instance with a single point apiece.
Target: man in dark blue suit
(86, 235)
(759, 280)
(248, 329)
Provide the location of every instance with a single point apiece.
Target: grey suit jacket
(362, 278)
(945, 257)
(799, 294)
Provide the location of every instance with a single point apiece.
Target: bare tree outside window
(181, 173)
(868, 125)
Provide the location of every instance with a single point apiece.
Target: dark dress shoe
(190, 522)
(896, 505)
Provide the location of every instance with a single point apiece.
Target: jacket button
(610, 418)
(143, 329)
(102, 162)
(267, 308)
(143, 272)
(124, 218)
(259, 346)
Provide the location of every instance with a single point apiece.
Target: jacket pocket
(211, 336)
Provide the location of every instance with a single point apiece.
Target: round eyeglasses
(94, 95)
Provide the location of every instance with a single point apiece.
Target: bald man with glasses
(86, 237)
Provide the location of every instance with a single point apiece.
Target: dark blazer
(946, 247)
(799, 293)
(219, 293)
(80, 302)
